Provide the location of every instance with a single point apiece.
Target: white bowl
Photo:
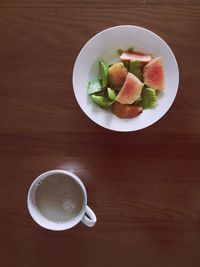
(104, 46)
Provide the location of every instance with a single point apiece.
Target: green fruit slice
(103, 73)
(149, 99)
(94, 86)
(102, 101)
(111, 93)
(127, 65)
(135, 68)
(119, 51)
(130, 50)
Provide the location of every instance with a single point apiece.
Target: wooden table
(144, 186)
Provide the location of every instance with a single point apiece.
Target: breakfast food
(128, 87)
(117, 74)
(125, 111)
(130, 91)
(154, 74)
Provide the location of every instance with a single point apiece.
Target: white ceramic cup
(85, 214)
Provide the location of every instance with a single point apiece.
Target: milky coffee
(59, 198)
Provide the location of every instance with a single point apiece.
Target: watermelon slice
(153, 74)
(130, 91)
(128, 56)
(125, 111)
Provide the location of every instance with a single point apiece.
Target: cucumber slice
(127, 65)
(135, 68)
(94, 86)
(130, 50)
(119, 51)
(103, 73)
(149, 98)
(102, 101)
(111, 93)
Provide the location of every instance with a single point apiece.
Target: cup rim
(47, 224)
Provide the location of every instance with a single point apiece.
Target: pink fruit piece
(128, 56)
(117, 74)
(153, 74)
(130, 91)
(126, 111)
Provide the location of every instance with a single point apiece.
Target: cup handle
(89, 218)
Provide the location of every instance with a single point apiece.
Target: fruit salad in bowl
(128, 87)
(125, 78)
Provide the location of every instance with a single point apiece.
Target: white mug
(57, 200)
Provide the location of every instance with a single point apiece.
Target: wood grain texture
(144, 186)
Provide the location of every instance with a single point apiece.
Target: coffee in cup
(57, 200)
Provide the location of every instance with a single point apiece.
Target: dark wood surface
(144, 186)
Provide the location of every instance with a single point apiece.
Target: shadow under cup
(57, 200)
